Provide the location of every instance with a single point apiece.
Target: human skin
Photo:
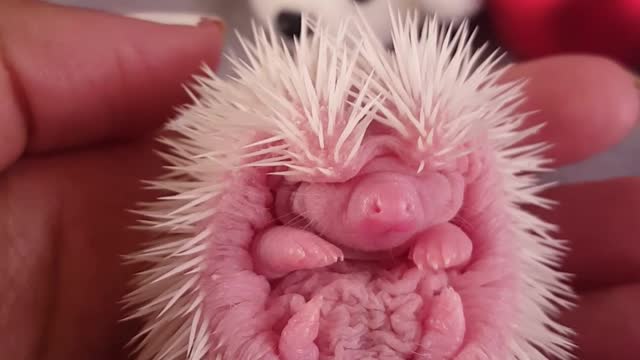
(76, 121)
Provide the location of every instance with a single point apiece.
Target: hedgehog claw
(281, 250)
(441, 247)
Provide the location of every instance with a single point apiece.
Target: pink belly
(366, 313)
(361, 311)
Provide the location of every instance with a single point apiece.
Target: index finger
(73, 77)
(588, 104)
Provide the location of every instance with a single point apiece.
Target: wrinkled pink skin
(386, 209)
(379, 210)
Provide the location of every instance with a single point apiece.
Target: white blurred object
(453, 9)
(621, 160)
(285, 15)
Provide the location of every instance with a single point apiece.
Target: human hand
(92, 93)
(80, 95)
(590, 104)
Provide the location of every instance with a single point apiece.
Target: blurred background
(525, 29)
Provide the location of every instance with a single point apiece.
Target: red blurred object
(534, 28)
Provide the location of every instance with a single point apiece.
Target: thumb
(72, 77)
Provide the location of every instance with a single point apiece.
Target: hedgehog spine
(437, 74)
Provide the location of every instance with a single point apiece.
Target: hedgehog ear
(473, 163)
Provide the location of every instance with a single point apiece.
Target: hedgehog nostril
(376, 207)
(408, 208)
(289, 23)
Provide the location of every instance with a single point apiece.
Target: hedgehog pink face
(384, 207)
(349, 203)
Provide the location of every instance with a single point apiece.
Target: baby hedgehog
(342, 201)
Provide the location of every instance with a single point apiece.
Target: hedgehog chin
(382, 254)
(395, 253)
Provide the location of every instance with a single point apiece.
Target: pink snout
(384, 207)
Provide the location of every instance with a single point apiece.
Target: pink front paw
(281, 250)
(441, 247)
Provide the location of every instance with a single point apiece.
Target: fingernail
(216, 22)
